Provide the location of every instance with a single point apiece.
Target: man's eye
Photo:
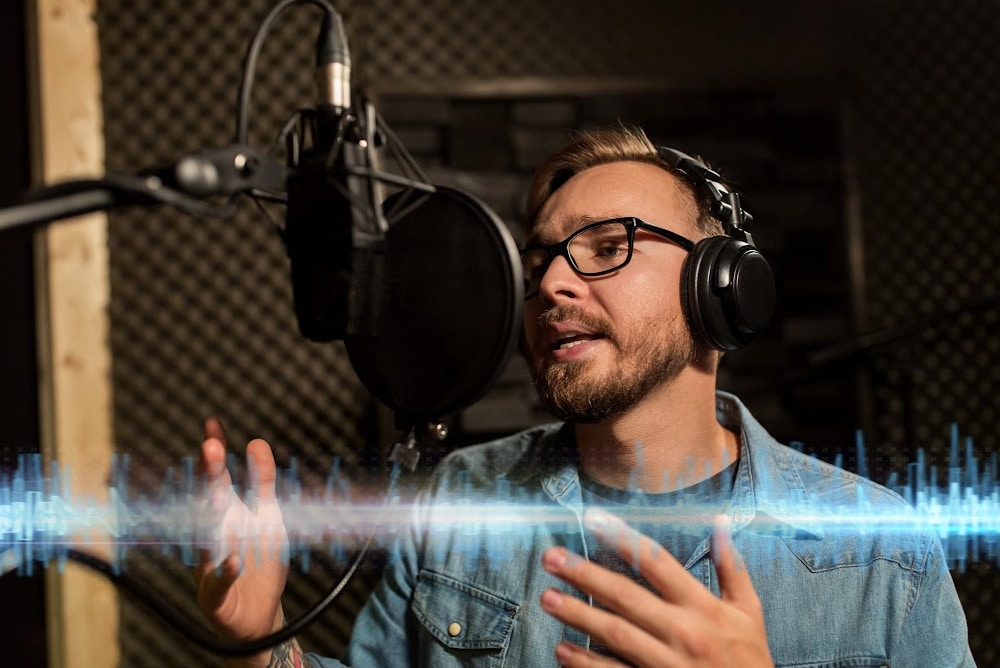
(610, 250)
(537, 271)
(534, 264)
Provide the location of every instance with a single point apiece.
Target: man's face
(597, 345)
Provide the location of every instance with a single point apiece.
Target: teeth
(571, 340)
(569, 343)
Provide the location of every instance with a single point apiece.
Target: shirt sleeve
(379, 636)
(316, 661)
(934, 632)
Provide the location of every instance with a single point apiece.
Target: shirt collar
(553, 461)
(768, 494)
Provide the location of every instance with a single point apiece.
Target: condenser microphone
(424, 288)
(320, 217)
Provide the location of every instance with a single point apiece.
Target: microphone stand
(230, 171)
(860, 352)
(859, 346)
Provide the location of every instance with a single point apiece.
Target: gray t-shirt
(678, 520)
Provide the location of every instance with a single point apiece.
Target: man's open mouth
(572, 340)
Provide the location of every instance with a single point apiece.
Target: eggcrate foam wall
(201, 310)
(447, 40)
(929, 157)
(202, 319)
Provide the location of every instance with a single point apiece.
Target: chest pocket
(462, 616)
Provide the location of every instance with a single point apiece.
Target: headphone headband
(725, 205)
(727, 288)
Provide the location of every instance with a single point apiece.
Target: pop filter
(449, 306)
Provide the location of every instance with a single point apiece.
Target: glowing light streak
(39, 520)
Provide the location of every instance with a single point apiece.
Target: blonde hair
(590, 148)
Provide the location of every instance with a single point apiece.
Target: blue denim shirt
(465, 580)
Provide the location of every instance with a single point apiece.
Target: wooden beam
(74, 357)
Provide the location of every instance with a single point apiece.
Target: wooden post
(74, 357)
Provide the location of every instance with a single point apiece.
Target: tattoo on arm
(287, 655)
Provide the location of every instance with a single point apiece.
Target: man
(545, 575)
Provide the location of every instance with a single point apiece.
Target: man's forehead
(607, 191)
(553, 229)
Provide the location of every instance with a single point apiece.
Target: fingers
(225, 523)
(735, 585)
(638, 610)
(680, 627)
(270, 537)
(261, 470)
(260, 462)
(572, 656)
(212, 465)
(655, 563)
(213, 429)
(667, 575)
(216, 497)
(242, 551)
(627, 640)
(618, 592)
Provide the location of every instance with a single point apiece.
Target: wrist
(285, 654)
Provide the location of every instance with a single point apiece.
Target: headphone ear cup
(727, 292)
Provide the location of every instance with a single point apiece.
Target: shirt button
(454, 629)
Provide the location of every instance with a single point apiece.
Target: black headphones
(727, 288)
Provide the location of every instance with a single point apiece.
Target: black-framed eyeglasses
(593, 250)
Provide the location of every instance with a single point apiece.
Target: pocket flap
(461, 615)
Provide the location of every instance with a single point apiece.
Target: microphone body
(319, 243)
(323, 219)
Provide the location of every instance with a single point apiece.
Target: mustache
(576, 314)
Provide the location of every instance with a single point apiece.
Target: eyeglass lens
(593, 250)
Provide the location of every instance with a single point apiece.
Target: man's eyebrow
(574, 224)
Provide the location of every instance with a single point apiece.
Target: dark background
(865, 135)
(22, 615)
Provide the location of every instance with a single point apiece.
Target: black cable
(202, 636)
(252, 55)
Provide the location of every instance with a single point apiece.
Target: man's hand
(242, 564)
(685, 626)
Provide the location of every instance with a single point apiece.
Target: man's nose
(560, 282)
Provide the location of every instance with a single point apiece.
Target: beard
(573, 391)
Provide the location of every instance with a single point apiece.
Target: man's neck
(673, 432)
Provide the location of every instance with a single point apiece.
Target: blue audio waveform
(40, 520)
